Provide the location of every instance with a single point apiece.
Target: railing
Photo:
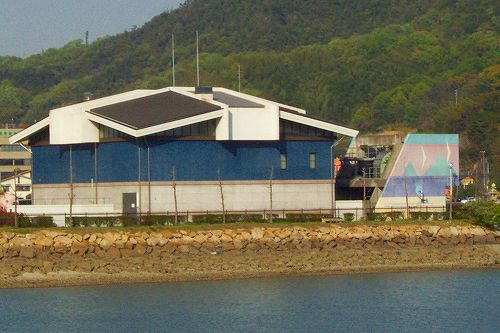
(371, 172)
(282, 215)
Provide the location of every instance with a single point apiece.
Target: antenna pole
(197, 60)
(239, 78)
(173, 60)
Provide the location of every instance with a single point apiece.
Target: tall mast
(173, 60)
(197, 61)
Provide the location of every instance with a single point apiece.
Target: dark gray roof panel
(234, 101)
(154, 110)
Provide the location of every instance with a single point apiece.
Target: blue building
(128, 150)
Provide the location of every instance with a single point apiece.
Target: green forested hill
(374, 64)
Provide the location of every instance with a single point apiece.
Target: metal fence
(291, 215)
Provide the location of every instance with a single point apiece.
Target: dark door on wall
(129, 203)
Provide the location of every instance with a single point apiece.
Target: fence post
(356, 212)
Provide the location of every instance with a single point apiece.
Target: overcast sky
(28, 26)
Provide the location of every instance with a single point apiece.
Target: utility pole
(406, 196)
(71, 193)
(174, 186)
(173, 61)
(364, 192)
(333, 175)
(221, 197)
(484, 174)
(16, 173)
(87, 38)
(239, 78)
(450, 217)
(95, 173)
(197, 61)
(271, 195)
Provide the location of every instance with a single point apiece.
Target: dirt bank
(18, 273)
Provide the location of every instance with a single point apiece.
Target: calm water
(451, 301)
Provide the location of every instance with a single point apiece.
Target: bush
(6, 219)
(42, 221)
(485, 213)
(127, 221)
(24, 222)
(387, 216)
(348, 217)
(306, 217)
(161, 219)
(230, 218)
(93, 221)
(421, 215)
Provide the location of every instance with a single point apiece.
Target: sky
(29, 26)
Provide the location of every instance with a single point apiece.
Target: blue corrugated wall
(193, 160)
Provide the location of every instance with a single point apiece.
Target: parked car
(464, 199)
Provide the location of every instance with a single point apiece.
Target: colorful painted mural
(422, 170)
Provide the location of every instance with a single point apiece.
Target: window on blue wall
(203, 129)
(283, 162)
(312, 160)
(106, 132)
(293, 129)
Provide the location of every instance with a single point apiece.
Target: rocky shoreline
(58, 258)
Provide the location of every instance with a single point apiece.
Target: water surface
(442, 301)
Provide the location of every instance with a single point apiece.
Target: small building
(146, 151)
(394, 171)
(18, 185)
(12, 156)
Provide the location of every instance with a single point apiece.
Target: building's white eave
(318, 124)
(27, 132)
(111, 124)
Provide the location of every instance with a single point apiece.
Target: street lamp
(451, 191)
(16, 172)
(332, 180)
